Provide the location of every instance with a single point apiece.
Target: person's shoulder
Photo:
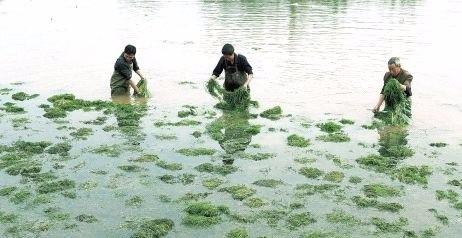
(120, 60)
(405, 72)
(386, 76)
(241, 56)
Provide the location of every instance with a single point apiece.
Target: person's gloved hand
(213, 77)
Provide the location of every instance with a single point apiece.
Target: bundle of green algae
(237, 99)
(397, 107)
(143, 88)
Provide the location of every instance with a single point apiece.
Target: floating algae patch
(310, 172)
(60, 149)
(269, 183)
(329, 127)
(196, 151)
(64, 103)
(341, 217)
(320, 234)
(183, 122)
(134, 201)
(5, 91)
(203, 214)
(258, 156)
(303, 190)
(298, 220)
(438, 144)
(20, 196)
(143, 89)
(21, 96)
(393, 142)
(272, 216)
(8, 217)
(185, 179)
(397, 109)
(377, 163)
(237, 233)
(334, 137)
(169, 166)
(196, 134)
(20, 122)
(380, 190)
(346, 121)
(254, 202)
(239, 192)
(355, 179)
(5, 191)
(131, 168)
(238, 99)
(98, 121)
(363, 202)
(274, 113)
(12, 108)
(86, 218)
(186, 113)
(413, 174)
(216, 169)
(441, 218)
(334, 176)
(297, 141)
(166, 137)
(212, 183)
(145, 158)
(385, 226)
(55, 186)
(82, 133)
(154, 228)
(188, 197)
(108, 150)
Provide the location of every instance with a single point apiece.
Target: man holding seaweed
(238, 72)
(395, 72)
(121, 79)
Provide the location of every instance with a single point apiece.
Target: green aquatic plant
(340, 216)
(8, 217)
(269, 183)
(98, 121)
(20, 196)
(257, 156)
(274, 113)
(413, 174)
(62, 149)
(169, 166)
(363, 202)
(216, 169)
(166, 137)
(196, 151)
(108, 150)
(86, 218)
(329, 127)
(82, 133)
(203, 214)
(212, 183)
(183, 122)
(143, 89)
(378, 163)
(334, 137)
(254, 202)
(134, 201)
(186, 113)
(237, 233)
(239, 192)
(334, 176)
(55, 186)
(131, 168)
(310, 172)
(441, 218)
(297, 141)
(346, 121)
(154, 228)
(238, 99)
(145, 158)
(380, 190)
(5, 191)
(385, 226)
(184, 179)
(272, 216)
(12, 108)
(355, 179)
(438, 144)
(21, 96)
(303, 190)
(397, 107)
(300, 219)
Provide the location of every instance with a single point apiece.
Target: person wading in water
(238, 72)
(121, 79)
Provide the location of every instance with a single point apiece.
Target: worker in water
(121, 79)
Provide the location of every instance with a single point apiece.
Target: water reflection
(233, 132)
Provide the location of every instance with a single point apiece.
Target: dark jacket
(404, 78)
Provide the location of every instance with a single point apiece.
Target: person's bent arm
(379, 103)
(140, 74)
(133, 85)
(249, 79)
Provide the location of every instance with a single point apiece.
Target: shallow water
(316, 60)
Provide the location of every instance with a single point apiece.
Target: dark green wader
(233, 77)
(119, 84)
